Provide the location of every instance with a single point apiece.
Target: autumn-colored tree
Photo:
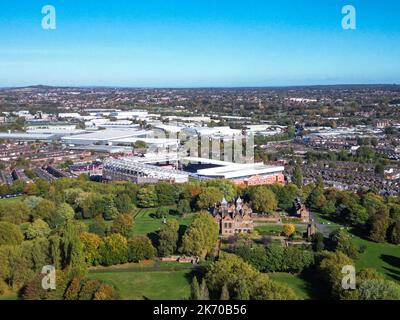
(289, 229)
(123, 224)
(91, 243)
(10, 234)
(114, 250)
(105, 292)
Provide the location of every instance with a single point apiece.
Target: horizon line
(205, 87)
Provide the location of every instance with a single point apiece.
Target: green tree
(166, 194)
(184, 207)
(316, 200)
(201, 236)
(10, 234)
(147, 197)
(297, 178)
(377, 227)
(330, 268)
(379, 290)
(194, 290)
(204, 294)
(71, 246)
(227, 187)
(274, 258)
(63, 213)
(141, 248)
(91, 244)
(241, 291)
(139, 144)
(224, 293)
(252, 254)
(114, 250)
(209, 197)
(124, 203)
(43, 210)
(318, 242)
(286, 195)
(162, 212)
(341, 241)
(16, 213)
(168, 238)
(394, 232)
(38, 228)
(263, 199)
(123, 224)
(98, 226)
(229, 270)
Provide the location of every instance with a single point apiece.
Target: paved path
(323, 228)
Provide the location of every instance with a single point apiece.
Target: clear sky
(176, 43)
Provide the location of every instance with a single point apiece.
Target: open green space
(145, 222)
(323, 219)
(12, 200)
(153, 285)
(9, 296)
(295, 282)
(275, 229)
(384, 257)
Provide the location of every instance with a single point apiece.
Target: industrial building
(104, 137)
(128, 169)
(247, 174)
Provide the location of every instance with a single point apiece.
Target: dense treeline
(75, 223)
(376, 217)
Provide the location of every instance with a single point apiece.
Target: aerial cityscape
(137, 182)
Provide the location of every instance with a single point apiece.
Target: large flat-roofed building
(104, 136)
(128, 169)
(22, 136)
(247, 174)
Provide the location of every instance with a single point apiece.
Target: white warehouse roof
(104, 136)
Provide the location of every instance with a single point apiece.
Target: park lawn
(325, 220)
(144, 223)
(12, 200)
(153, 285)
(295, 282)
(384, 257)
(276, 229)
(9, 296)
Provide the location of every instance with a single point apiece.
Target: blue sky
(176, 43)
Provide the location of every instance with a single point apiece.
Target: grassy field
(9, 296)
(299, 285)
(324, 220)
(145, 223)
(384, 257)
(138, 283)
(275, 229)
(12, 200)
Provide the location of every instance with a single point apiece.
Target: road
(323, 228)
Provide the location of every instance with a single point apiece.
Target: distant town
(200, 194)
(347, 135)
